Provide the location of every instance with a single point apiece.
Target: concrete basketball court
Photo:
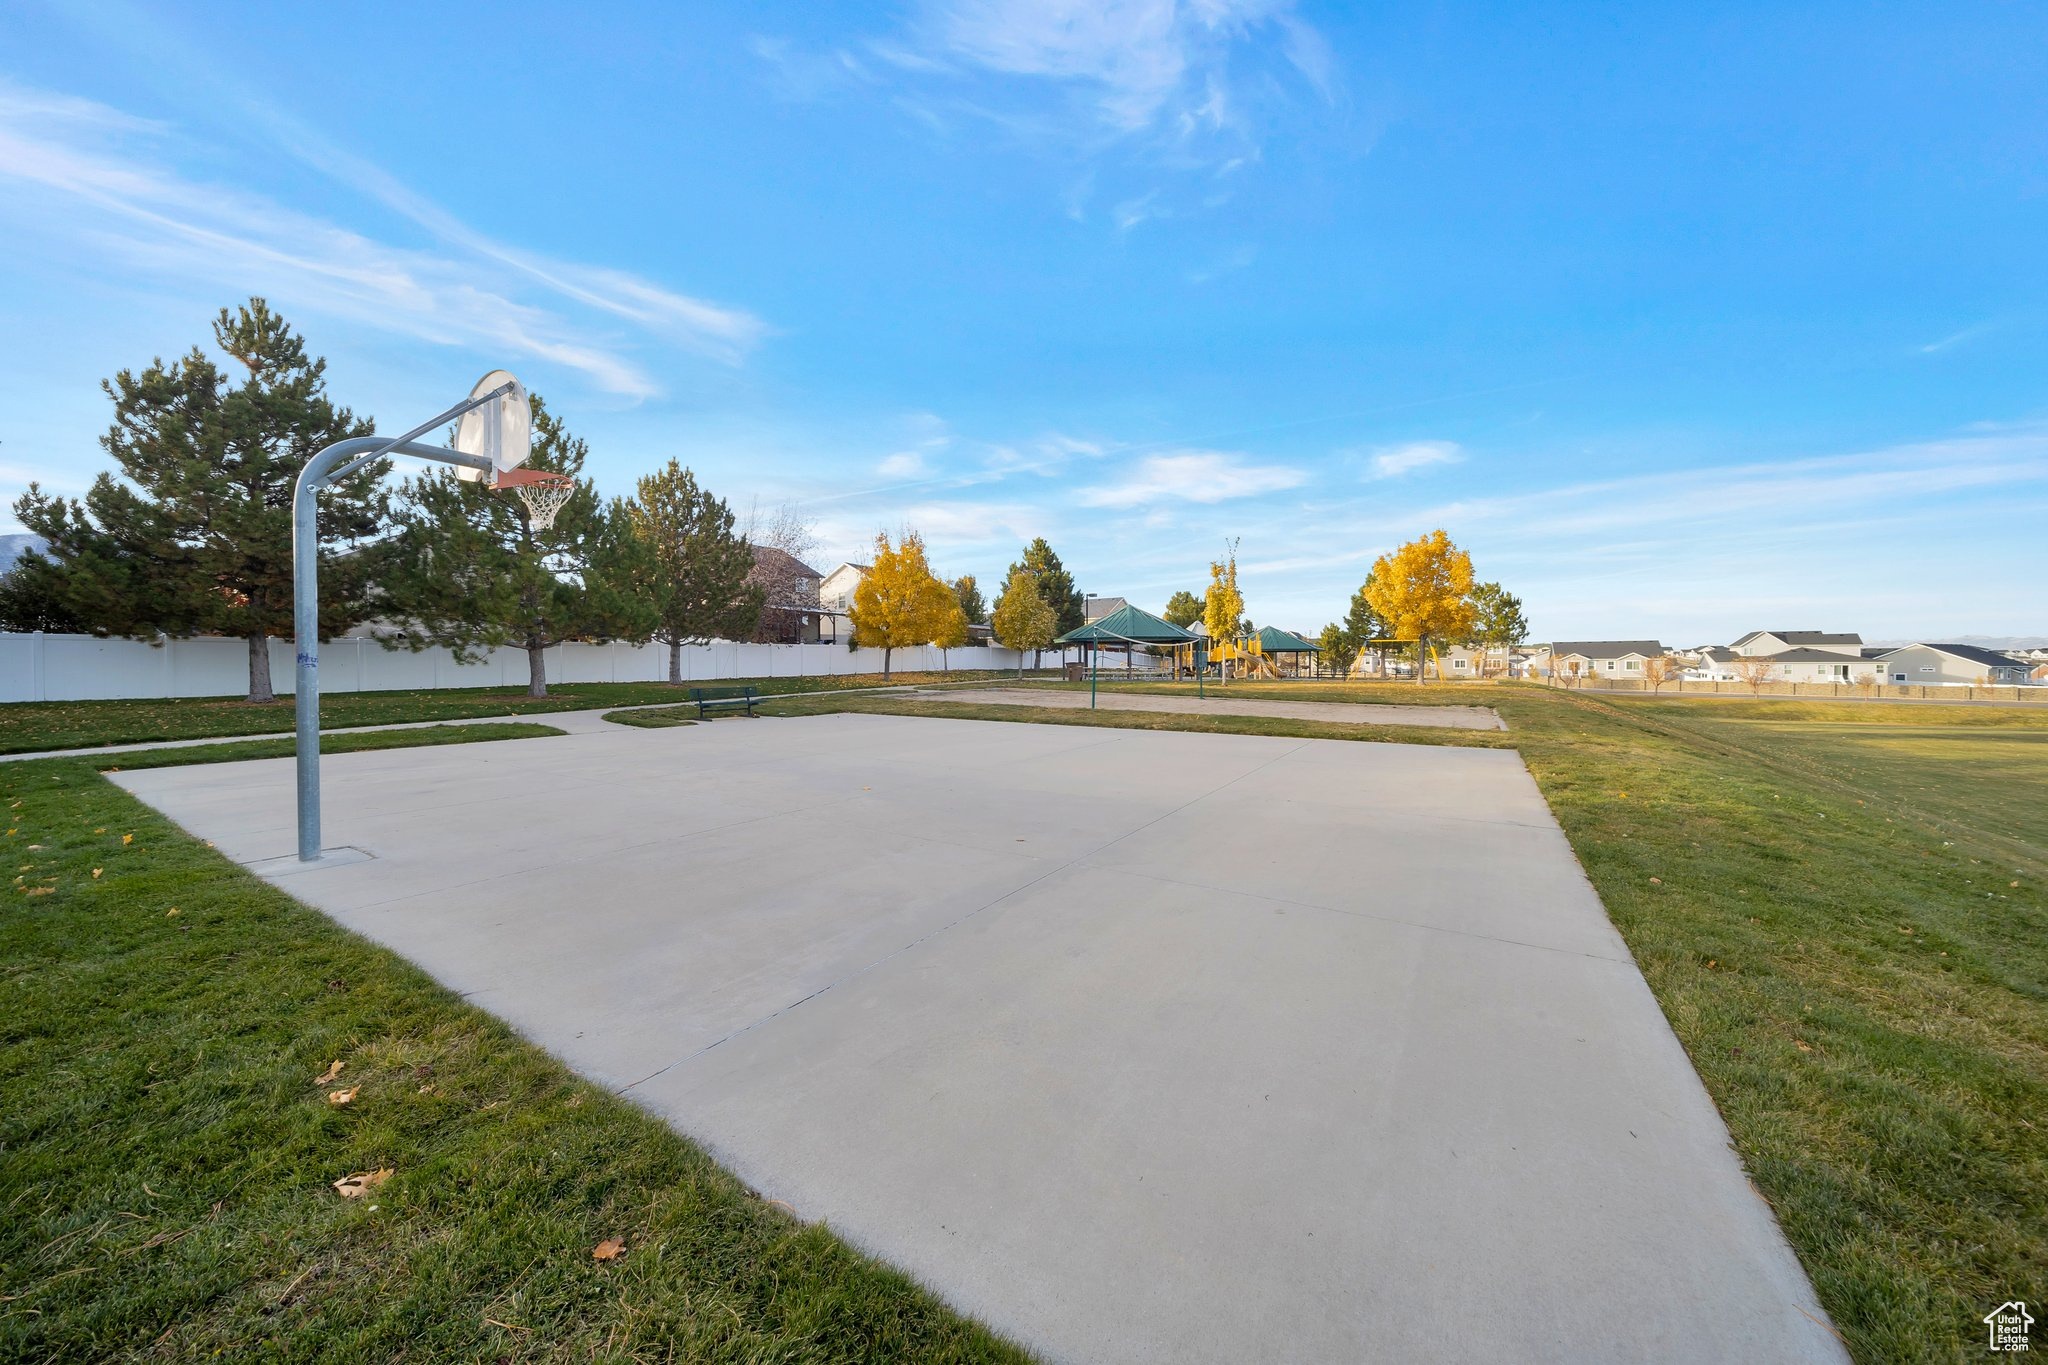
(1139, 1046)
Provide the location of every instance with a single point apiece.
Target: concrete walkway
(583, 721)
(1141, 1046)
(1219, 703)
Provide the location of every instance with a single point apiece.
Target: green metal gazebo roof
(1273, 640)
(1127, 623)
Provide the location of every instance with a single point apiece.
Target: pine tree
(971, 605)
(697, 564)
(1055, 586)
(1499, 622)
(468, 571)
(1022, 620)
(196, 535)
(901, 602)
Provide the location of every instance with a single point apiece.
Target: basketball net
(543, 493)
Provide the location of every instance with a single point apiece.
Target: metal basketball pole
(336, 462)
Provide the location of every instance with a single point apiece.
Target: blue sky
(1685, 320)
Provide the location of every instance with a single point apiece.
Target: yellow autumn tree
(1423, 591)
(1023, 619)
(1223, 607)
(901, 602)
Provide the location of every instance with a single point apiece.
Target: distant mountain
(1981, 641)
(12, 548)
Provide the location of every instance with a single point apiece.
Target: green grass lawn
(1840, 908)
(31, 727)
(168, 1153)
(655, 717)
(233, 751)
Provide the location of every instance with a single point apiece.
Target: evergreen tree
(1023, 621)
(1183, 609)
(1338, 649)
(697, 565)
(196, 535)
(1055, 586)
(971, 605)
(467, 570)
(1363, 622)
(1500, 621)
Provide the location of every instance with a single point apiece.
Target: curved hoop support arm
(336, 461)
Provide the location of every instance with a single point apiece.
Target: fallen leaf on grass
(37, 890)
(170, 912)
(610, 1249)
(1802, 1045)
(127, 839)
(1656, 881)
(342, 1096)
(329, 1074)
(356, 1186)
(96, 874)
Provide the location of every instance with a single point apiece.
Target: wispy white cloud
(81, 172)
(1201, 476)
(967, 525)
(1957, 338)
(1170, 87)
(904, 464)
(1393, 462)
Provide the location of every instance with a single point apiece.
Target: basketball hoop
(543, 493)
(501, 431)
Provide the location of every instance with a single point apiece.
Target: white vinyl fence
(84, 667)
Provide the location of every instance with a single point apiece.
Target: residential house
(1710, 663)
(835, 598)
(1458, 662)
(1776, 642)
(1095, 608)
(1601, 658)
(1822, 665)
(1951, 665)
(789, 591)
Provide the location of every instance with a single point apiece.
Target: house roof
(1797, 638)
(1128, 623)
(1099, 608)
(770, 560)
(1809, 656)
(857, 568)
(1607, 649)
(1274, 640)
(1987, 657)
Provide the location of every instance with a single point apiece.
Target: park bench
(711, 699)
